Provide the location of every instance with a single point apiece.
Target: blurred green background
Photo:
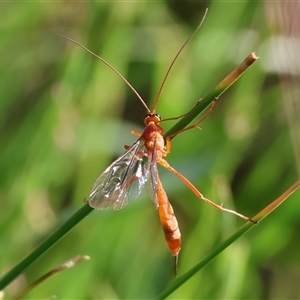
(65, 116)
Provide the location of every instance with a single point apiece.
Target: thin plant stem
(86, 209)
(45, 245)
(67, 265)
(261, 215)
(216, 93)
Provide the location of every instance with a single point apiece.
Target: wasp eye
(158, 116)
(155, 118)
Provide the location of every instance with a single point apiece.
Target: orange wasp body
(124, 179)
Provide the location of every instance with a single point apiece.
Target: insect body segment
(152, 118)
(169, 222)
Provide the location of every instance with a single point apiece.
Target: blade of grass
(216, 93)
(66, 265)
(45, 245)
(261, 215)
(86, 209)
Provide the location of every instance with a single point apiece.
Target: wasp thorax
(152, 118)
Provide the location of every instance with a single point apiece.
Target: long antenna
(173, 61)
(111, 67)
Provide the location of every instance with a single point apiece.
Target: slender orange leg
(198, 122)
(168, 146)
(181, 116)
(136, 133)
(165, 164)
(169, 222)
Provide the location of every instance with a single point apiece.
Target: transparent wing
(151, 184)
(122, 181)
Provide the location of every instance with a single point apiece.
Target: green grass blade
(44, 246)
(261, 215)
(66, 265)
(216, 93)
